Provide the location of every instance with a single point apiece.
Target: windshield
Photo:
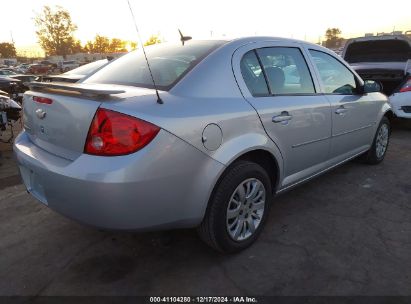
(378, 51)
(88, 68)
(168, 62)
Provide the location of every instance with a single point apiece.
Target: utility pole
(11, 35)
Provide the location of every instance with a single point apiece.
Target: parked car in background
(52, 65)
(7, 72)
(77, 73)
(49, 63)
(386, 59)
(21, 85)
(11, 86)
(22, 68)
(25, 77)
(69, 65)
(227, 130)
(38, 69)
(14, 83)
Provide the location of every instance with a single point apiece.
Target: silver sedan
(235, 123)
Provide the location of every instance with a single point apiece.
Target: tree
(117, 45)
(76, 47)
(7, 50)
(133, 45)
(333, 39)
(89, 47)
(55, 31)
(152, 40)
(101, 44)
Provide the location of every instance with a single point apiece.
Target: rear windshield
(378, 51)
(168, 62)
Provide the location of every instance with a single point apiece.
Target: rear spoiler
(76, 88)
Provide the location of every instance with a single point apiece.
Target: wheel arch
(390, 115)
(267, 160)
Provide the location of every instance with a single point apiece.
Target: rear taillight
(406, 87)
(42, 100)
(112, 133)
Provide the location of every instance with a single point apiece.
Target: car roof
(238, 42)
(265, 38)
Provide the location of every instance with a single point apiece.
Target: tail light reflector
(406, 87)
(42, 100)
(112, 133)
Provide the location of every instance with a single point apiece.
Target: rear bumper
(165, 185)
(400, 103)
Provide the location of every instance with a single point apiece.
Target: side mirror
(371, 86)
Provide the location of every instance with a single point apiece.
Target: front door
(353, 113)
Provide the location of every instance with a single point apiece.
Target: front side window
(336, 77)
(168, 63)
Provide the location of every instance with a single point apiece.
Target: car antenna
(159, 100)
(183, 38)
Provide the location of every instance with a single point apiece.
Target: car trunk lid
(378, 49)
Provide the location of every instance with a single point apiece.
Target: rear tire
(380, 144)
(238, 208)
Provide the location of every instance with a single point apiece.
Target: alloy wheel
(382, 140)
(245, 209)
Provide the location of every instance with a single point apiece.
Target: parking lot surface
(347, 232)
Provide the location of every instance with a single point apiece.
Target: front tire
(238, 208)
(380, 144)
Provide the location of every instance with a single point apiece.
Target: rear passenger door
(353, 113)
(276, 80)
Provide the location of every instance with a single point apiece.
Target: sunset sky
(201, 19)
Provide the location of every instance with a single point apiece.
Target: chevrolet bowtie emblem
(40, 113)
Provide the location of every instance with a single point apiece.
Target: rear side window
(336, 77)
(168, 63)
(283, 72)
(286, 71)
(253, 75)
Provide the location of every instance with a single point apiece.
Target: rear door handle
(283, 117)
(341, 110)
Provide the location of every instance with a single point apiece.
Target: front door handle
(341, 110)
(283, 117)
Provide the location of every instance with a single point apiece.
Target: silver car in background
(238, 122)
